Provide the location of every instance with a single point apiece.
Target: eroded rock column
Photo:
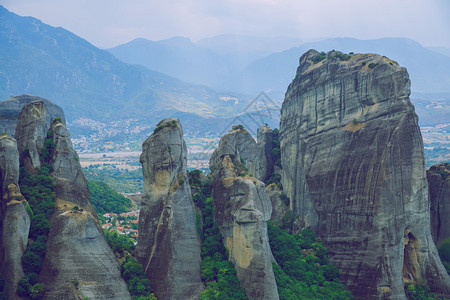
(168, 244)
(242, 209)
(354, 169)
(14, 219)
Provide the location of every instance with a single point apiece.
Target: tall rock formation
(354, 169)
(11, 108)
(242, 209)
(76, 248)
(14, 219)
(30, 134)
(439, 186)
(239, 145)
(168, 244)
(264, 166)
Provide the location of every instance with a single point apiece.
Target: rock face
(439, 186)
(11, 108)
(168, 244)
(353, 167)
(30, 133)
(240, 147)
(265, 161)
(14, 219)
(76, 248)
(242, 209)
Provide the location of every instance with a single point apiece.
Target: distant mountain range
(220, 63)
(206, 84)
(85, 81)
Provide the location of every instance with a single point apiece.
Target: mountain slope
(36, 58)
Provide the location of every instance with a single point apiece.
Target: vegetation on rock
(444, 254)
(302, 270)
(38, 189)
(218, 274)
(132, 271)
(160, 127)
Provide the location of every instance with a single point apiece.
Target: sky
(108, 23)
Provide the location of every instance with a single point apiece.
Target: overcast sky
(108, 23)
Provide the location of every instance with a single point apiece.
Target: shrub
(238, 127)
(31, 262)
(39, 226)
(319, 57)
(372, 65)
(37, 291)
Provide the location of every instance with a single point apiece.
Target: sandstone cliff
(76, 248)
(439, 186)
(242, 209)
(14, 219)
(11, 108)
(168, 244)
(353, 167)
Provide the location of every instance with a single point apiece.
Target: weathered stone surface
(14, 220)
(439, 186)
(264, 165)
(279, 209)
(353, 167)
(242, 209)
(76, 248)
(30, 134)
(168, 244)
(11, 108)
(240, 147)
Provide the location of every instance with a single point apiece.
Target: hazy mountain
(85, 81)
(442, 50)
(429, 71)
(212, 61)
(180, 58)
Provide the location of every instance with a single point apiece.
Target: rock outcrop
(239, 145)
(11, 108)
(242, 209)
(76, 248)
(30, 134)
(14, 219)
(168, 244)
(439, 186)
(354, 169)
(264, 166)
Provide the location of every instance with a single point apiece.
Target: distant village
(124, 223)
